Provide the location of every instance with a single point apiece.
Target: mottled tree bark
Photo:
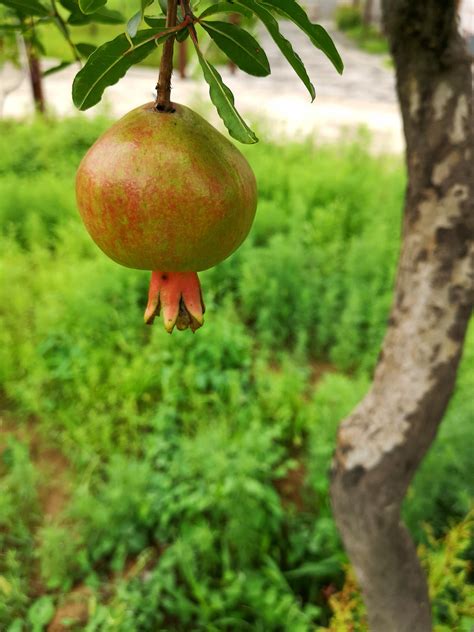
(380, 445)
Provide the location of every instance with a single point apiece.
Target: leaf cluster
(108, 63)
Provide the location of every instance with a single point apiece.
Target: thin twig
(163, 87)
(62, 26)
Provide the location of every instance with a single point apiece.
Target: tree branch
(62, 26)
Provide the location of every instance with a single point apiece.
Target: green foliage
(135, 21)
(431, 496)
(348, 17)
(239, 46)
(9, 49)
(333, 400)
(223, 99)
(185, 600)
(91, 6)
(199, 463)
(283, 44)
(19, 513)
(27, 7)
(108, 63)
(447, 569)
(40, 613)
(326, 253)
(366, 36)
(60, 558)
(41, 148)
(318, 36)
(369, 38)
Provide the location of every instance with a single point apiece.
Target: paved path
(279, 104)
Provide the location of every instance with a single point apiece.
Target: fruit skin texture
(166, 191)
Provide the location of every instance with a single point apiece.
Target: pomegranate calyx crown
(178, 296)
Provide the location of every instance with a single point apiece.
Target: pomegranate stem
(163, 87)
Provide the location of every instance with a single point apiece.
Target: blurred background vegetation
(154, 482)
(357, 25)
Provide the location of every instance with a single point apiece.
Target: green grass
(367, 37)
(196, 490)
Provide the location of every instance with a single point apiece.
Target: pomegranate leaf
(91, 6)
(28, 7)
(85, 49)
(223, 99)
(110, 62)
(102, 16)
(70, 5)
(136, 19)
(57, 68)
(155, 21)
(182, 35)
(133, 23)
(239, 46)
(283, 44)
(316, 33)
(225, 7)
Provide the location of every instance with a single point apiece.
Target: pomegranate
(167, 192)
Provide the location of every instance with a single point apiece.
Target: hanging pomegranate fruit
(165, 191)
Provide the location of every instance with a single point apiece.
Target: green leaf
(102, 16)
(91, 6)
(36, 42)
(239, 46)
(182, 35)
(70, 5)
(318, 36)
(155, 21)
(223, 100)
(12, 28)
(163, 6)
(28, 7)
(135, 21)
(41, 612)
(322, 39)
(225, 7)
(85, 50)
(283, 44)
(317, 570)
(60, 66)
(16, 626)
(109, 63)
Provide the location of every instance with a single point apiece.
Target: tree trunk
(380, 445)
(36, 79)
(367, 14)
